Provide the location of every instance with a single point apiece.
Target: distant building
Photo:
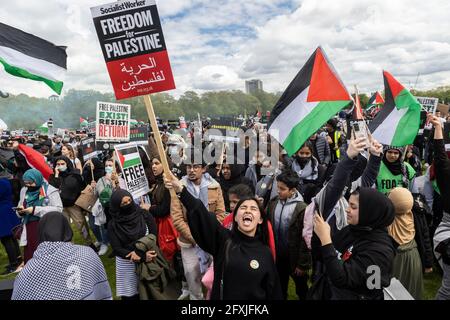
(53, 98)
(252, 86)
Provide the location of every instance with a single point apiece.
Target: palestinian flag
(27, 56)
(314, 96)
(43, 128)
(83, 122)
(375, 99)
(398, 121)
(36, 160)
(128, 157)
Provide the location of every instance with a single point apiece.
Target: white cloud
(215, 77)
(216, 45)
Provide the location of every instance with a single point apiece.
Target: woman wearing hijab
(231, 175)
(8, 220)
(394, 172)
(244, 268)
(407, 263)
(70, 183)
(365, 265)
(128, 224)
(59, 269)
(36, 199)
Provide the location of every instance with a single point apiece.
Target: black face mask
(128, 209)
(303, 160)
(33, 189)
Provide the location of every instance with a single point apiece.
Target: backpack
(105, 196)
(167, 237)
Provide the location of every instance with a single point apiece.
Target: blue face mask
(108, 169)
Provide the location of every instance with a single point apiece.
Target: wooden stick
(157, 136)
(221, 158)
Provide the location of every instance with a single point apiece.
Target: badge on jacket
(254, 264)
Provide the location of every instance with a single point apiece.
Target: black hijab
(376, 213)
(128, 222)
(99, 171)
(70, 168)
(396, 168)
(236, 171)
(54, 227)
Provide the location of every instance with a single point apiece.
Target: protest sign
(428, 104)
(91, 126)
(88, 148)
(132, 169)
(173, 124)
(139, 134)
(133, 46)
(113, 122)
(106, 145)
(223, 130)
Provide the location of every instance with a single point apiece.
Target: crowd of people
(330, 217)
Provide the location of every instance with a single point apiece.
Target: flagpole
(157, 136)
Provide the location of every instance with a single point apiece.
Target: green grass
(432, 281)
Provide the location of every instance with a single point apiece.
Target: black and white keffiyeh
(62, 271)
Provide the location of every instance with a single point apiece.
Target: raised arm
(333, 190)
(206, 230)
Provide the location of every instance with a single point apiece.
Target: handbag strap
(225, 260)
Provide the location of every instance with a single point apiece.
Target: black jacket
(160, 207)
(249, 272)
(422, 237)
(442, 167)
(70, 183)
(70, 186)
(367, 252)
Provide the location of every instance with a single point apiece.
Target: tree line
(23, 111)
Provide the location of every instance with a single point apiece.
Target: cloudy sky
(218, 44)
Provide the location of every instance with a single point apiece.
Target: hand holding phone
(360, 131)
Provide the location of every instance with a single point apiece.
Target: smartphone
(16, 208)
(360, 131)
(316, 207)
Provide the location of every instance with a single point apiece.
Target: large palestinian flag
(398, 121)
(314, 96)
(27, 56)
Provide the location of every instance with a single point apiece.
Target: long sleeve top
(248, 272)
(442, 172)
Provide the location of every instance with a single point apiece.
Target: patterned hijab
(33, 197)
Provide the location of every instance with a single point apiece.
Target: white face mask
(173, 150)
(108, 170)
(62, 168)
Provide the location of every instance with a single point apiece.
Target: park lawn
(432, 281)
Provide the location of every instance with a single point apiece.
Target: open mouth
(247, 220)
